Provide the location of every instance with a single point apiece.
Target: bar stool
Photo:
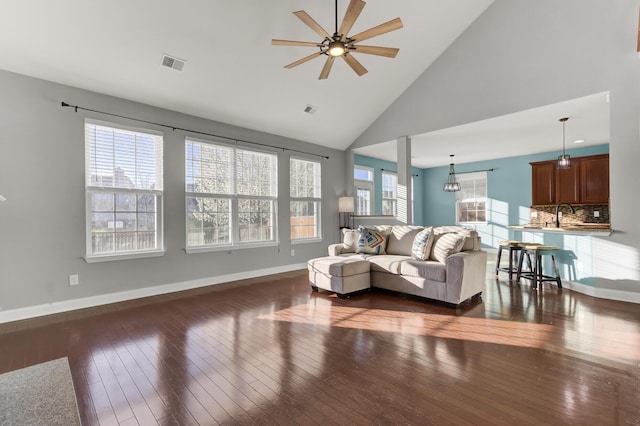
(514, 250)
(535, 273)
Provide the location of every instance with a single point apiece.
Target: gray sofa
(453, 271)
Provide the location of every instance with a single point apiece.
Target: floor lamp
(345, 210)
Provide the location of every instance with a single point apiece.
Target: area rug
(42, 394)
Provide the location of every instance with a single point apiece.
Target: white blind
(209, 168)
(305, 178)
(122, 159)
(473, 186)
(256, 173)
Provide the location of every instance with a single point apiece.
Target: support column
(403, 146)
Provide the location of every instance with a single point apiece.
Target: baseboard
(603, 293)
(104, 299)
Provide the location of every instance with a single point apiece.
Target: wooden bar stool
(514, 249)
(534, 254)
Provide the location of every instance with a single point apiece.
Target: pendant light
(564, 160)
(451, 185)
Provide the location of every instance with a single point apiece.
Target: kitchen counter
(595, 230)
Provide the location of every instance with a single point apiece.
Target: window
(363, 173)
(123, 182)
(389, 194)
(363, 182)
(471, 200)
(231, 195)
(305, 192)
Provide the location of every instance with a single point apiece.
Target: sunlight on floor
(414, 323)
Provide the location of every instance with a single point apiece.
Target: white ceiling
(527, 132)
(233, 74)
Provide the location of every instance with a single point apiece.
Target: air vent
(171, 62)
(310, 109)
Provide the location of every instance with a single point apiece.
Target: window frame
(367, 185)
(158, 195)
(464, 180)
(234, 197)
(316, 200)
(393, 200)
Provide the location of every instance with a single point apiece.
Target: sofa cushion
(387, 263)
(401, 238)
(371, 241)
(339, 266)
(445, 245)
(471, 241)
(429, 269)
(422, 243)
(349, 240)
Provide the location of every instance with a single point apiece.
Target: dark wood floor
(269, 351)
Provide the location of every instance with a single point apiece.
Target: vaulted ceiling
(232, 73)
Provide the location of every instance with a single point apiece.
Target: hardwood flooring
(270, 351)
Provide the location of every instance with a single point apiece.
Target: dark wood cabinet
(586, 182)
(568, 183)
(594, 176)
(543, 179)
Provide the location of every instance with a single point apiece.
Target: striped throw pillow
(445, 245)
(422, 243)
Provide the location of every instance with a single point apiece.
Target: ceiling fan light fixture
(340, 45)
(336, 48)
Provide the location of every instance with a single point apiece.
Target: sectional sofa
(443, 263)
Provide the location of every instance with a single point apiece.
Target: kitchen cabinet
(543, 180)
(594, 175)
(568, 183)
(586, 182)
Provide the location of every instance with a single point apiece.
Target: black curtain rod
(174, 128)
(475, 171)
(393, 171)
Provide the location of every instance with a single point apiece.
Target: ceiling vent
(171, 62)
(310, 109)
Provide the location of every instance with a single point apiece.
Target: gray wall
(42, 223)
(522, 54)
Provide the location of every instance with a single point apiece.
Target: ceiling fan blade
(294, 43)
(303, 60)
(304, 17)
(355, 65)
(350, 16)
(327, 68)
(392, 25)
(389, 52)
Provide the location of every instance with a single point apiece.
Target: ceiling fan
(339, 44)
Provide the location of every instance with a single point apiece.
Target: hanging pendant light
(451, 185)
(564, 160)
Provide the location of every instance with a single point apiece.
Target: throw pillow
(371, 241)
(445, 245)
(422, 244)
(349, 240)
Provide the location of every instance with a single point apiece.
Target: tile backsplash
(585, 213)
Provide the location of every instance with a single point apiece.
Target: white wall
(522, 54)
(42, 223)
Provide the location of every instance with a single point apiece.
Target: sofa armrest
(466, 275)
(335, 249)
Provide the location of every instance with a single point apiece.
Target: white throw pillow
(350, 240)
(445, 245)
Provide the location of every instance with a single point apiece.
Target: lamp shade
(345, 205)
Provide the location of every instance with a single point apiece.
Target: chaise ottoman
(342, 275)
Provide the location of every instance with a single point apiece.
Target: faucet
(558, 211)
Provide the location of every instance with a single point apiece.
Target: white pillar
(405, 214)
